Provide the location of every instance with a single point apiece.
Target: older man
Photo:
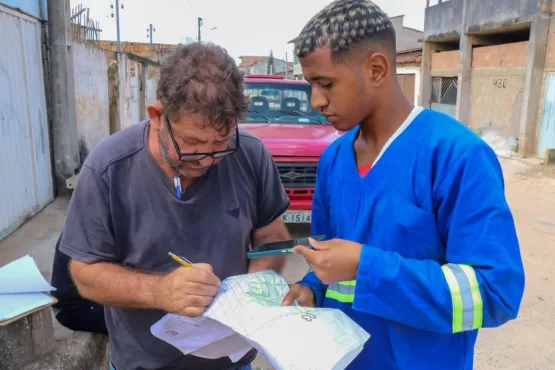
(186, 181)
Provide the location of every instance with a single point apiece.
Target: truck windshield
(281, 102)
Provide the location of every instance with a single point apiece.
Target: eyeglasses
(185, 157)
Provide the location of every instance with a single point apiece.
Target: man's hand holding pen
(187, 291)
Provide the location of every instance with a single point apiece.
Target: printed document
(247, 313)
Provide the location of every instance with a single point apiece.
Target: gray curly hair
(343, 25)
(203, 79)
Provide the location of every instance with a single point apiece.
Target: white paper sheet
(15, 304)
(202, 337)
(22, 276)
(21, 288)
(290, 337)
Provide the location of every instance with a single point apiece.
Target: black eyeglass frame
(188, 157)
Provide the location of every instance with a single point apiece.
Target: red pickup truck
(281, 116)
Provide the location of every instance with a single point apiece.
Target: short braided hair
(203, 79)
(343, 25)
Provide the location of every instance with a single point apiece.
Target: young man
(187, 181)
(423, 248)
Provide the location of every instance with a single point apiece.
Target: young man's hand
(187, 291)
(300, 293)
(332, 260)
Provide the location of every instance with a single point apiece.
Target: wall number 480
(500, 83)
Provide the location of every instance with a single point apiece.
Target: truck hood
(293, 140)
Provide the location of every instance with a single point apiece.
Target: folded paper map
(247, 313)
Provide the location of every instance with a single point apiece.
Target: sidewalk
(37, 238)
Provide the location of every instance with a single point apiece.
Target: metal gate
(547, 129)
(444, 95)
(25, 167)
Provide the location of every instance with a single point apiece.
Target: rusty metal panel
(25, 167)
(547, 128)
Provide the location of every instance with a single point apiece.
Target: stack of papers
(247, 313)
(22, 288)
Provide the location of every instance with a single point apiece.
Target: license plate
(297, 217)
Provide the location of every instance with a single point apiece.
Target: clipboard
(28, 313)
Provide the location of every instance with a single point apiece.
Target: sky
(243, 27)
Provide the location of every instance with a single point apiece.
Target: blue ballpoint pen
(177, 183)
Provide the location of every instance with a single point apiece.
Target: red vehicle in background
(281, 116)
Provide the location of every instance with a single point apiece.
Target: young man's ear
(156, 116)
(379, 68)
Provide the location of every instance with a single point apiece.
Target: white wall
(135, 89)
(152, 78)
(92, 104)
(125, 118)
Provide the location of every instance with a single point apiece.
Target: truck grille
(297, 175)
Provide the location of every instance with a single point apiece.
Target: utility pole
(64, 129)
(117, 26)
(118, 45)
(199, 25)
(150, 31)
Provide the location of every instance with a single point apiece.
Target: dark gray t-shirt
(124, 210)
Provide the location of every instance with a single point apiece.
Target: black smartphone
(281, 248)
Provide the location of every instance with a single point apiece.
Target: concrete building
(491, 64)
(259, 65)
(156, 53)
(406, 38)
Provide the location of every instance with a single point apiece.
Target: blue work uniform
(440, 256)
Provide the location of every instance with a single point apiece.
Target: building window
(444, 90)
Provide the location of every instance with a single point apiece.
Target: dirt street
(527, 343)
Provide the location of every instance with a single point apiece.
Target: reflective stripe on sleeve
(465, 295)
(344, 291)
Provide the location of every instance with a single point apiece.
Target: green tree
(270, 68)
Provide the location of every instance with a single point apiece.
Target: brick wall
(497, 87)
(496, 99)
(159, 51)
(445, 60)
(506, 55)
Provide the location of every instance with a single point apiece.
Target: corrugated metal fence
(25, 167)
